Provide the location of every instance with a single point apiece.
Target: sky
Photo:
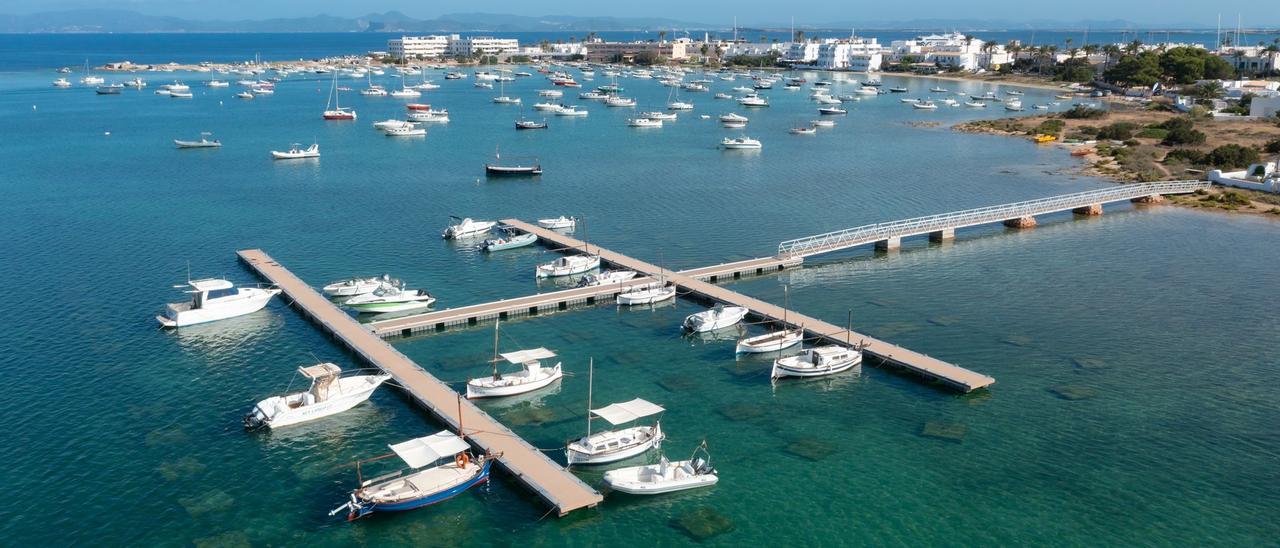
(750, 12)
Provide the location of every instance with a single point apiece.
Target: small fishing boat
(466, 227)
(214, 299)
(615, 445)
(241, 95)
(405, 131)
(718, 317)
(832, 111)
(510, 241)
(532, 375)
(975, 104)
(650, 294)
(733, 117)
(180, 94)
(817, 362)
(113, 89)
(567, 265)
(1013, 92)
(1063, 97)
(484, 85)
(606, 277)
(530, 124)
(390, 298)
(329, 394)
(570, 111)
(518, 167)
(740, 143)
(559, 223)
(909, 100)
(550, 93)
(679, 105)
(619, 101)
(936, 89)
(204, 142)
(356, 286)
(924, 105)
(753, 101)
(439, 467)
(665, 476)
(61, 83)
(644, 123)
(1040, 107)
(988, 96)
(770, 342)
(897, 90)
(823, 123)
(659, 115)
(803, 130)
(392, 123)
(547, 106)
(1014, 106)
(296, 152)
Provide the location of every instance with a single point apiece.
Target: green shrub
(1181, 122)
(1119, 131)
(1272, 146)
(1088, 130)
(1191, 156)
(1050, 127)
(1232, 157)
(1153, 133)
(1081, 112)
(1183, 136)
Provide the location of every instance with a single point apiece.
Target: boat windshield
(219, 293)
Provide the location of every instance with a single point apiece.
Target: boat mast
(591, 371)
(460, 433)
(786, 301)
(496, 376)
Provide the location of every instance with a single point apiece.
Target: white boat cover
(524, 356)
(320, 370)
(619, 413)
(209, 284)
(419, 452)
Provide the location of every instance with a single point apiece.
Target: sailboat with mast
(615, 445)
(532, 375)
(821, 361)
(774, 341)
(503, 98)
(649, 294)
(336, 112)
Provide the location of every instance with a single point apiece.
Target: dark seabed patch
(703, 523)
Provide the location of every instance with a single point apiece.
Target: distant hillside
(124, 21)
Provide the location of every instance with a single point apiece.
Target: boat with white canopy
(718, 317)
(665, 476)
(531, 376)
(615, 445)
(438, 468)
(214, 299)
(775, 341)
(817, 362)
(567, 265)
(329, 394)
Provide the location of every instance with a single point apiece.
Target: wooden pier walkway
(921, 364)
(560, 488)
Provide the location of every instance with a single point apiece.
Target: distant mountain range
(124, 21)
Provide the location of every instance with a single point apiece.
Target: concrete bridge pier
(1090, 210)
(1150, 199)
(1021, 222)
(944, 235)
(891, 244)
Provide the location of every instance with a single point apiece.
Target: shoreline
(998, 80)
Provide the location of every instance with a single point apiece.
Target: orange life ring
(461, 460)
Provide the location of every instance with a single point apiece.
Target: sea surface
(1134, 353)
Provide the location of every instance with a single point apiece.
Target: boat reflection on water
(223, 336)
(725, 334)
(335, 431)
(566, 282)
(514, 404)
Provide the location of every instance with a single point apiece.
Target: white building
(418, 46)
(1250, 59)
(754, 49)
(854, 54)
(802, 53)
(555, 51)
(482, 45)
(951, 50)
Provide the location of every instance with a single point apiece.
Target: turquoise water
(1157, 320)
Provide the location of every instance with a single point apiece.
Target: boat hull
(576, 453)
(255, 300)
(477, 391)
(370, 507)
(627, 480)
(645, 297)
(383, 308)
(767, 344)
(780, 369)
(356, 390)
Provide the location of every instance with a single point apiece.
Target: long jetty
(921, 364)
(560, 488)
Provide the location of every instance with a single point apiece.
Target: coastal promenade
(560, 488)
(889, 235)
(926, 366)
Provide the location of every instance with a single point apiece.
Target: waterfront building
(802, 53)
(482, 45)
(853, 54)
(675, 50)
(755, 49)
(1250, 59)
(554, 51)
(425, 47)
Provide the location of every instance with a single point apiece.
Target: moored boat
(559, 223)
(296, 152)
(215, 299)
(665, 476)
(615, 445)
(531, 376)
(329, 394)
(739, 143)
(466, 227)
(204, 142)
(718, 317)
(510, 241)
(650, 294)
(439, 467)
(355, 286)
(817, 362)
(390, 298)
(567, 265)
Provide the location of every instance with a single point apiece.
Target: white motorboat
(733, 125)
(866, 91)
(723, 95)
(567, 265)
(924, 105)
(550, 93)
(532, 375)
(505, 100)
(975, 104)
(180, 94)
(826, 100)
(392, 124)
(570, 111)
(803, 130)
(405, 132)
(653, 293)
(483, 85)
(739, 143)
(329, 394)
(665, 476)
(679, 105)
(296, 152)
(1013, 105)
(406, 93)
(466, 228)
(817, 362)
(950, 102)
(559, 223)
(546, 106)
(241, 95)
(429, 116)
(390, 298)
(356, 286)
(753, 101)
(61, 83)
(607, 277)
(661, 116)
(619, 101)
(823, 123)
(643, 122)
(718, 317)
(733, 117)
(615, 445)
(204, 142)
(936, 89)
(215, 299)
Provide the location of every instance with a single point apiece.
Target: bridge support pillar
(1152, 199)
(891, 244)
(1092, 209)
(1021, 222)
(943, 235)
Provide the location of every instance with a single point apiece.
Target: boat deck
(564, 491)
(921, 364)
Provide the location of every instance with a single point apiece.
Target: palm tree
(1068, 41)
(1272, 50)
(1133, 47)
(1090, 49)
(1111, 51)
